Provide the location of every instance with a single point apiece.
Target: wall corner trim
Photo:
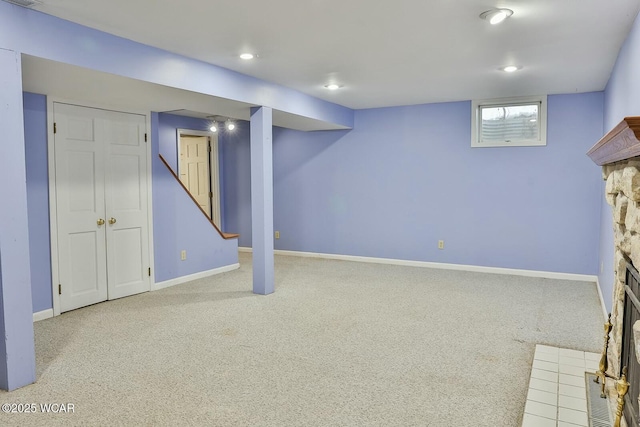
(602, 304)
(44, 314)
(195, 276)
(439, 265)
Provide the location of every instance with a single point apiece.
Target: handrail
(224, 235)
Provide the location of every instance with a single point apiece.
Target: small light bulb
(230, 126)
(510, 69)
(247, 56)
(332, 86)
(498, 17)
(213, 128)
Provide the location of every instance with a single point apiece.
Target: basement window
(513, 122)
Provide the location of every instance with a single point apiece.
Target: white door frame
(53, 218)
(214, 169)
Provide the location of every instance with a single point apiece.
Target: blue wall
(406, 177)
(622, 98)
(35, 141)
(168, 125)
(236, 182)
(17, 353)
(178, 224)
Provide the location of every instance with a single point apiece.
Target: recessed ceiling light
(496, 16)
(510, 68)
(333, 86)
(247, 56)
(26, 3)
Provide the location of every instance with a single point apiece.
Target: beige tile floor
(556, 395)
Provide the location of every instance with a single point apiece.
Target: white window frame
(542, 121)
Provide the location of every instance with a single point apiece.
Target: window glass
(510, 123)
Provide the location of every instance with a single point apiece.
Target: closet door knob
(112, 221)
(100, 221)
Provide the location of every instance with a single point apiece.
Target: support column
(17, 350)
(262, 199)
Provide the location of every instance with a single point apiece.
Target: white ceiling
(384, 53)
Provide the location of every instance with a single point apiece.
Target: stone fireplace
(618, 153)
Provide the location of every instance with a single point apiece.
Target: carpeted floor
(338, 344)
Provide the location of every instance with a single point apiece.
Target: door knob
(100, 221)
(112, 221)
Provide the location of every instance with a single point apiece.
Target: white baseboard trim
(195, 276)
(602, 304)
(44, 314)
(439, 265)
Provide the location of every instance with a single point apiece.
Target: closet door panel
(126, 195)
(80, 204)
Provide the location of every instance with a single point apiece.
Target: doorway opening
(198, 169)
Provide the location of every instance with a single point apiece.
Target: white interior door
(194, 169)
(126, 205)
(101, 202)
(82, 266)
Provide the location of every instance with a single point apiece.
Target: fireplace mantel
(618, 152)
(621, 143)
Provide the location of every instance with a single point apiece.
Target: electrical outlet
(440, 244)
(277, 234)
(183, 255)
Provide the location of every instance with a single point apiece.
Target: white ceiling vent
(25, 3)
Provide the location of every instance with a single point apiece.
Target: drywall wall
(178, 224)
(406, 177)
(17, 353)
(35, 146)
(622, 98)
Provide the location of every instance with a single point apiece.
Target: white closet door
(80, 207)
(101, 205)
(126, 204)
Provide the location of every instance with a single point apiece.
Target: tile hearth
(557, 395)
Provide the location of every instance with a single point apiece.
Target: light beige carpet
(338, 344)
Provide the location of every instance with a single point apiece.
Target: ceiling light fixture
(213, 123)
(496, 16)
(221, 123)
(26, 3)
(333, 86)
(510, 68)
(247, 56)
